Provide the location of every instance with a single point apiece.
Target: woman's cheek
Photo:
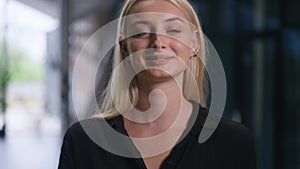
(182, 51)
(137, 45)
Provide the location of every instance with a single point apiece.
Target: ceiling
(49, 7)
(78, 8)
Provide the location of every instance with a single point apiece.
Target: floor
(28, 151)
(33, 138)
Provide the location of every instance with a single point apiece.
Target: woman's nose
(158, 41)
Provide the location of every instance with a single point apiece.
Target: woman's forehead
(159, 6)
(152, 17)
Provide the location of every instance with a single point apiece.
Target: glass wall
(259, 44)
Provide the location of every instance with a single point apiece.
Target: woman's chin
(157, 75)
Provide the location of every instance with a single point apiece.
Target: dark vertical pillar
(279, 100)
(238, 72)
(64, 36)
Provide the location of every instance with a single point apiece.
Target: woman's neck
(161, 104)
(154, 94)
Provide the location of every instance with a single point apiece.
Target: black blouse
(230, 147)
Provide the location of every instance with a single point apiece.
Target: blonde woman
(155, 99)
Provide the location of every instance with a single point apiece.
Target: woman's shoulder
(235, 132)
(236, 141)
(234, 127)
(77, 127)
(225, 127)
(77, 130)
(92, 126)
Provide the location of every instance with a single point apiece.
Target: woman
(156, 97)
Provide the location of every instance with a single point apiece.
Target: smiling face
(162, 40)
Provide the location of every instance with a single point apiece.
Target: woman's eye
(142, 35)
(173, 31)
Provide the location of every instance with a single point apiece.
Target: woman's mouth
(158, 59)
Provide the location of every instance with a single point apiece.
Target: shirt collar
(199, 112)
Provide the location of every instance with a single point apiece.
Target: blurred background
(258, 42)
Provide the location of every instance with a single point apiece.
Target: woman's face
(162, 42)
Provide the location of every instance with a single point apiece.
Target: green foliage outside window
(4, 80)
(20, 68)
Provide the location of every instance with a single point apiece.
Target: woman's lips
(159, 59)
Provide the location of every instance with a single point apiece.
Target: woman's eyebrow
(174, 19)
(141, 22)
(167, 20)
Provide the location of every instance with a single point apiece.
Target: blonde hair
(114, 94)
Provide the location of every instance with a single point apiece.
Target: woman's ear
(195, 42)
